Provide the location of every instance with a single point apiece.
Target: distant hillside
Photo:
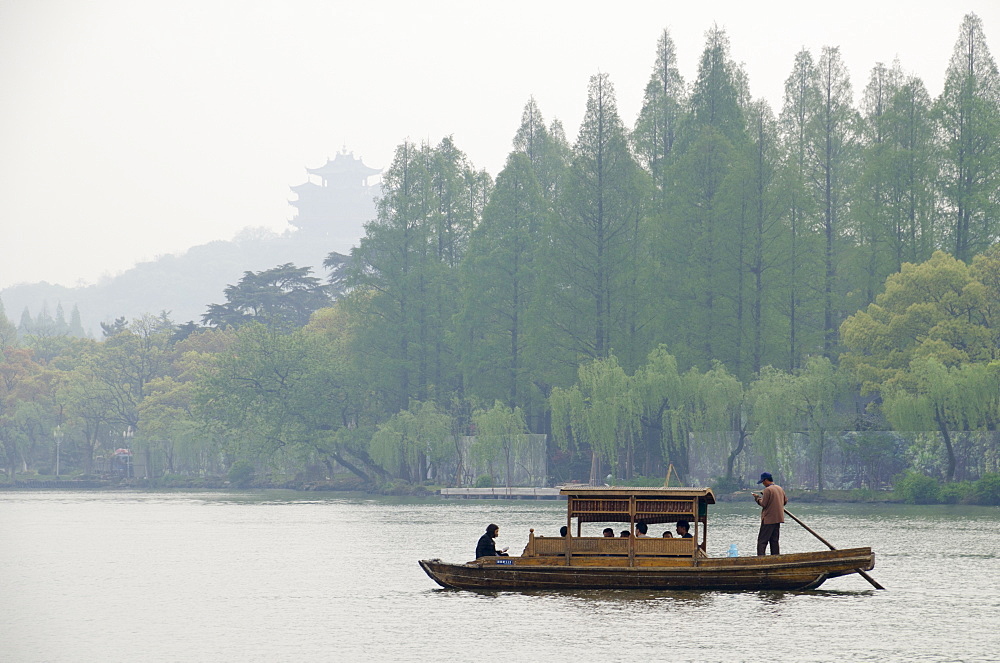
(331, 210)
(182, 284)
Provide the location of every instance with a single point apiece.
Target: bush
(915, 488)
(241, 474)
(484, 481)
(987, 489)
(959, 492)
(723, 485)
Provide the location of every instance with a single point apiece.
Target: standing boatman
(772, 501)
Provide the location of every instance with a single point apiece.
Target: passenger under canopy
(633, 505)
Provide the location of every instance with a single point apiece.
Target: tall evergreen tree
(968, 116)
(8, 332)
(543, 149)
(872, 209)
(914, 168)
(75, 323)
(703, 215)
(800, 102)
(499, 288)
(831, 142)
(386, 278)
(662, 107)
(404, 272)
(759, 241)
(594, 232)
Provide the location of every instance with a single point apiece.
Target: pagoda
(336, 201)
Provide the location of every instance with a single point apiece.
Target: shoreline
(394, 490)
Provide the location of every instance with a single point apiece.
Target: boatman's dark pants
(768, 534)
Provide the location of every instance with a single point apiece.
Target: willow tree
(658, 389)
(799, 405)
(413, 442)
(500, 430)
(598, 414)
(273, 395)
(714, 411)
(933, 396)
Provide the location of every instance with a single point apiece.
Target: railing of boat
(540, 546)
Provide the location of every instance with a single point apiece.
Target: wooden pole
(830, 546)
(670, 470)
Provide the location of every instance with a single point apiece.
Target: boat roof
(622, 504)
(703, 494)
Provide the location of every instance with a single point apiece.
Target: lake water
(280, 576)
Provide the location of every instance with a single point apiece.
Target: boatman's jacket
(772, 502)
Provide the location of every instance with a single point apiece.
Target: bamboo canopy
(631, 505)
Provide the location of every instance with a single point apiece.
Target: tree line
(718, 279)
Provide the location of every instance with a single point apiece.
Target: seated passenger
(609, 532)
(562, 531)
(486, 547)
(625, 533)
(640, 529)
(668, 535)
(684, 529)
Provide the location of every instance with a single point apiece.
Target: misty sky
(130, 129)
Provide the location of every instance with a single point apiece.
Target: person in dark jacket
(486, 547)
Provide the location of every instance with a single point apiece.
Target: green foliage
(599, 413)
(968, 117)
(915, 488)
(411, 440)
(802, 404)
(596, 236)
(241, 474)
(499, 280)
(956, 492)
(499, 430)
(987, 489)
(738, 240)
(723, 485)
(484, 481)
(282, 297)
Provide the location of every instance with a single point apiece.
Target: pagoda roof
(305, 186)
(343, 164)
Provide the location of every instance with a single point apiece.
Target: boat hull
(771, 572)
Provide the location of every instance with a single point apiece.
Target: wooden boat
(598, 562)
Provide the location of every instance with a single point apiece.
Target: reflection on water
(281, 576)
